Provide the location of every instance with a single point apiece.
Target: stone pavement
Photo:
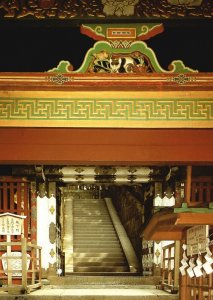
(101, 293)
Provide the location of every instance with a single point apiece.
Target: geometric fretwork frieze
(91, 110)
(95, 109)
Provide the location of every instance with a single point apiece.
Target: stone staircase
(96, 247)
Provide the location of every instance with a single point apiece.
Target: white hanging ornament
(168, 201)
(209, 261)
(208, 268)
(197, 269)
(184, 261)
(158, 200)
(190, 272)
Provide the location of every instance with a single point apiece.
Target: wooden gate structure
(136, 117)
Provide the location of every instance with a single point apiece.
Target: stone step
(95, 249)
(107, 279)
(93, 210)
(84, 260)
(95, 240)
(93, 223)
(84, 207)
(86, 200)
(103, 286)
(98, 237)
(90, 213)
(88, 231)
(92, 235)
(90, 200)
(93, 226)
(100, 263)
(91, 219)
(97, 243)
(88, 206)
(89, 234)
(103, 255)
(101, 269)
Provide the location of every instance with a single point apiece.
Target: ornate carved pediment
(120, 49)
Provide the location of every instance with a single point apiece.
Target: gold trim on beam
(30, 100)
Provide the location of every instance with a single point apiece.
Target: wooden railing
(28, 276)
(198, 190)
(170, 267)
(201, 191)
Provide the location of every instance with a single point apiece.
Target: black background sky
(27, 48)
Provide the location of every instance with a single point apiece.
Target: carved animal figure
(101, 62)
(124, 64)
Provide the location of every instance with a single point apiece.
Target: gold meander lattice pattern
(106, 109)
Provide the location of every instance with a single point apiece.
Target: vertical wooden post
(185, 292)
(24, 205)
(188, 184)
(39, 261)
(33, 261)
(169, 266)
(24, 262)
(176, 263)
(9, 269)
(33, 212)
